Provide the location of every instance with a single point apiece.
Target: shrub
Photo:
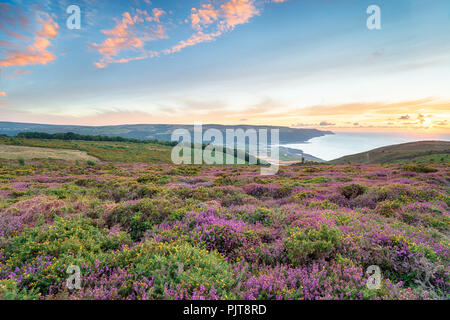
(387, 208)
(64, 238)
(352, 191)
(326, 204)
(261, 214)
(419, 168)
(303, 245)
(178, 269)
(44, 253)
(9, 291)
(267, 190)
(139, 215)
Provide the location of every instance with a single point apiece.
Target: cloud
(192, 41)
(441, 123)
(303, 125)
(375, 114)
(421, 118)
(49, 27)
(2, 93)
(11, 19)
(238, 12)
(35, 53)
(16, 74)
(210, 21)
(204, 16)
(130, 34)
(372, 108)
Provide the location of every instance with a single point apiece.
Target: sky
(299, 63)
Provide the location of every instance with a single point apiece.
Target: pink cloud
(204, 16)
(209, 21)
(192, 41)
(218, 20)
(238, 12)
(16, 74)
(49, 28)
(2, 93)
(125, 36)
(11, 19)
(35, 53)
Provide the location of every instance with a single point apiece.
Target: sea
(339, 144)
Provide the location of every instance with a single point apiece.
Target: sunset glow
(278, 62)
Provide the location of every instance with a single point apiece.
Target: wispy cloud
(422, 114)
(131, 33)
(26, 53)
(208, 21)
(326, 124)
(11, 19)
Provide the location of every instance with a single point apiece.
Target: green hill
(161, 132)
(139, 151)
(425, 151)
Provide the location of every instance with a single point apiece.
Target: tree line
(84, 137)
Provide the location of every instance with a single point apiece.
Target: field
(159, 231)
(104, 150)
(29, 153)
(126, 152)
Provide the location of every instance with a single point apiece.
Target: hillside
(139, 151)
(153, 231)
(103, 150)
(406, 152)
(161, 132)
(30, 153)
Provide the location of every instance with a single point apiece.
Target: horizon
(230, 62)
(332, 130)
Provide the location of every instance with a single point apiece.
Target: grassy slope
(29, 153)
(107, 151)
(422, 150)
(126, 152)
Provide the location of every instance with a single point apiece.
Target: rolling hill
(413, 151)
(85, 148)
(161, 132)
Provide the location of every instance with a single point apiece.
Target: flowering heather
(143, 231)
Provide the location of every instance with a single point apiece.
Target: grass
(105, 151)
(110, 151)
(401, 153)
(28, 153)
(439, 157)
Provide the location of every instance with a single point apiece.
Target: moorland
(139, 227)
